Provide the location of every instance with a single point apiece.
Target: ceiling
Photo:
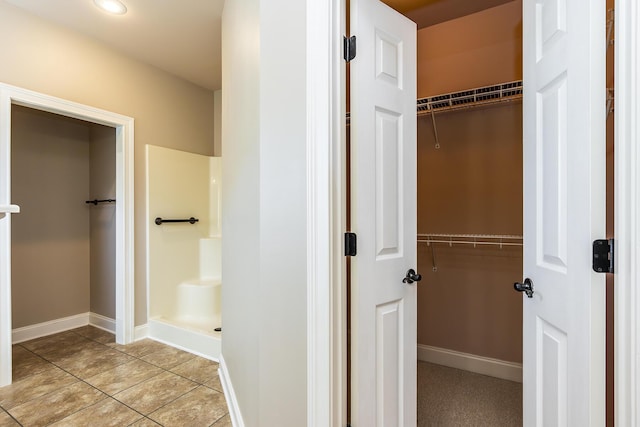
(186, 41)
(431, 12)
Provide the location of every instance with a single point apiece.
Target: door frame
(11, 95)
(326, 181)
(326, 213)
(627, 212)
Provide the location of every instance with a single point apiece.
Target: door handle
(411, 277)
(526, 287)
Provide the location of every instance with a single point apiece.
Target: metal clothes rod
(191, 220)
(467, 239)
(96, 201)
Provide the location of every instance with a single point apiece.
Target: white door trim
(627, 207)
(627, 212)
(124, 208)
(326, 296)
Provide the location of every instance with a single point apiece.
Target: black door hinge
(349, 48)
(350, 244)
(603, 256)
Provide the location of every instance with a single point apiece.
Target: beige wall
(481, 49)
(102, 183)
(50, 236)
(217, 124)
(168, 111)
(471, 185)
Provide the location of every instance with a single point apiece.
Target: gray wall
(264, 209)
(63, 250)
(168, 111)
(102, 185)
(50, 236)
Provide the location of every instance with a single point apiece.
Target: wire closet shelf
(480, 96)
(500, 240)
(486, 95)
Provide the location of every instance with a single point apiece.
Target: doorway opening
(63, 240)
(12, 98)
(488, 251)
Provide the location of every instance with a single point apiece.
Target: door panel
(564, 211)
(383, 171)
(388, 185)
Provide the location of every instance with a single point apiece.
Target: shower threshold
(197, 340)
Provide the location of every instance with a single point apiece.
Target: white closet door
(564, 211)
(383, 132)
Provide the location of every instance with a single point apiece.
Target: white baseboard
(102, 322)
(230, 395)
(470, 362)
(49, 328)
(141, 332)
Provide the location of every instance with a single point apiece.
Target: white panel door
(564, 211)
(383, 171)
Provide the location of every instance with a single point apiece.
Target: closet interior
(469, 188)
(63, 241)
(469, 191)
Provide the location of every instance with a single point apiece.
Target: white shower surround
(184, 268)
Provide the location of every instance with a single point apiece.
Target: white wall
(283, 228)
(241, 201)
(264, 208)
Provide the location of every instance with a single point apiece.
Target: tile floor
(83, 378)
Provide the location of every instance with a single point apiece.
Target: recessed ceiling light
(115, 7)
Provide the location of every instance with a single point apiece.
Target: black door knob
(411, 277)
(526, 287)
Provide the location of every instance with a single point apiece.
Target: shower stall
(184, 249)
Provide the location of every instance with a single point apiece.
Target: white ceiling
(181, 40)
(182, 37)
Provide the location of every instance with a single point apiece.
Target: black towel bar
(96, 201)
(191, 220)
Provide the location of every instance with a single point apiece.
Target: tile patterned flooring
(83, 378)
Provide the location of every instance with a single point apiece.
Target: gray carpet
(451, 397)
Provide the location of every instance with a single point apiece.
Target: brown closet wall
(610, 224)
(472, 184)
(476, 50)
